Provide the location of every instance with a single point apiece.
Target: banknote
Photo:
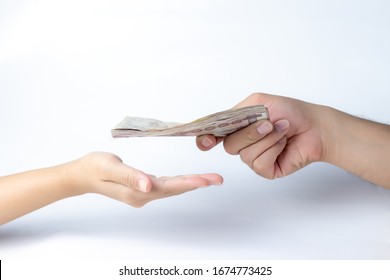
(218, 124)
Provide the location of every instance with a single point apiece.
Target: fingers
(235, 142)
(264, 163)
(259, 146)
(213, 178)
(134, 187)
(169, 186)
(123, 174)
(162, 187)
(207, 142)
(253, 134)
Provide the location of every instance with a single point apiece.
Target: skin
(299, 133)
(98, 172)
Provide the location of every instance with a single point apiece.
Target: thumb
(130, 177)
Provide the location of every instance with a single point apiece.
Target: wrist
(330, 121)
(341, 141)
(71, 184)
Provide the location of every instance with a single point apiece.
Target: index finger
(253, 99)
(168, 186)
(245, 137)
(207, 142)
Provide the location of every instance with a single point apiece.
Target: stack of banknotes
(218, 124)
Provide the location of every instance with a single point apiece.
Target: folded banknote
(218, 124)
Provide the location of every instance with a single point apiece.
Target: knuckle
(245, 157)
(229, 148)
(250, 135)
(257, 167)
(261, 169)
(256, 97)
(130, 180)
(103, 161)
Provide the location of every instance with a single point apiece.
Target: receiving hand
(106, 174)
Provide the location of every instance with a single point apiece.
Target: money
(218, 124)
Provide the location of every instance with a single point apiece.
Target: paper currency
(218, 124)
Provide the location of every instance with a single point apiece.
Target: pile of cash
(217, 124)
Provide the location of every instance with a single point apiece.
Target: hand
(106, 174)
(97, 172)
(281, 146)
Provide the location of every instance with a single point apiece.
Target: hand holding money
(219, 124)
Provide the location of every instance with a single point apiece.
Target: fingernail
(264, 128)
(142, 184)
(206, 142)
(281, 125)
(211, 184)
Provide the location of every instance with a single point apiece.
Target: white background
(71, 70)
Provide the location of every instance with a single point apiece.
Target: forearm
(28, 191)
(357, 145)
